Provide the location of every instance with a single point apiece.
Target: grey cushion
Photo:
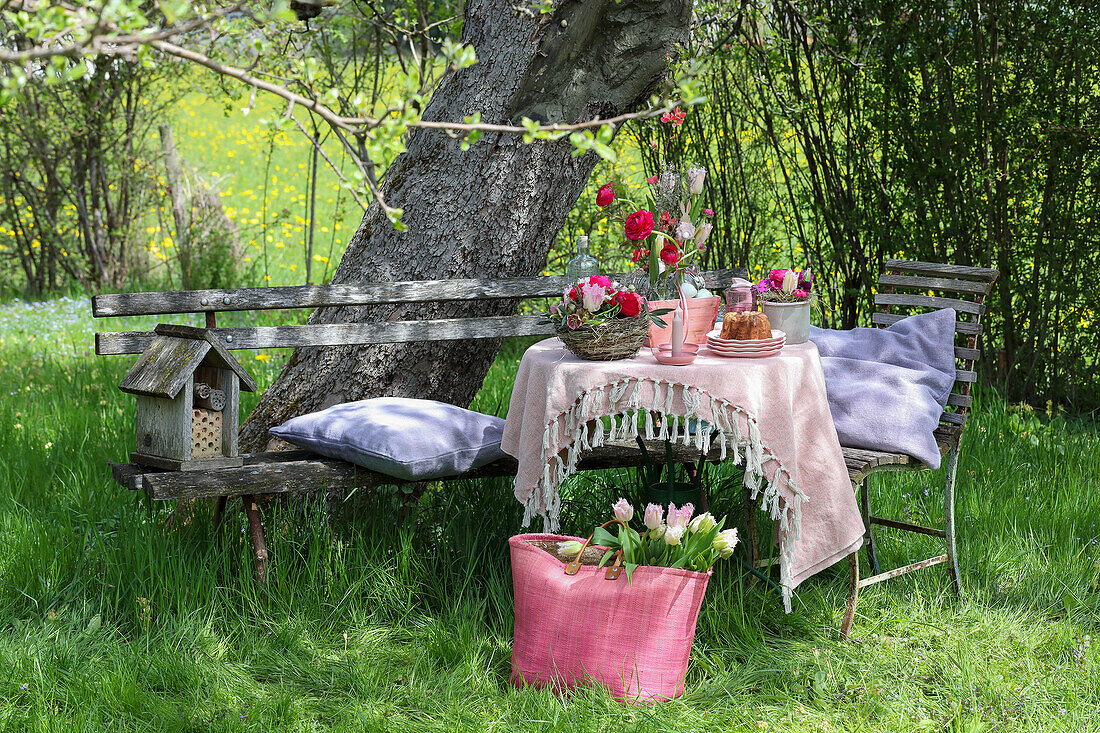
(405, 438)
(887, 387)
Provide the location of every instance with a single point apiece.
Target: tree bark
(491, 211)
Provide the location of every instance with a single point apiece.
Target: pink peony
(708, 212)
(776, 276)
(638, 225)
(605, 195)
(602, 280)
(623, 511)
(669, 254)
(680, 517)
(630, 304)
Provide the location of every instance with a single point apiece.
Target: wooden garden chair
(909, 287)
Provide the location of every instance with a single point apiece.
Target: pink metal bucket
(634, 639)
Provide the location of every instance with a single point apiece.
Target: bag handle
(612, 572)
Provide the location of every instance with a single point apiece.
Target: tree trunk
(491, 211)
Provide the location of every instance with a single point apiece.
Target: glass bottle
(583, 265)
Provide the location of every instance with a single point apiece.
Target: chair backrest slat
(968, 328)
(982, 274)
(941, 286)
(947, 285)
(320, 296)
(930, 301)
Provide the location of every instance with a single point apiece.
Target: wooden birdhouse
(188, 400)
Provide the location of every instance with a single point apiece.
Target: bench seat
(298, 470)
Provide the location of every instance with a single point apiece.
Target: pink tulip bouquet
(786, 286)
(675, 540)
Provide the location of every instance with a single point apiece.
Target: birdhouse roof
(174, 354)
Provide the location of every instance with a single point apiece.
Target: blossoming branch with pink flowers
(786, 286)
(678, 540)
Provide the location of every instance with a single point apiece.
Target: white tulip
(790, 281)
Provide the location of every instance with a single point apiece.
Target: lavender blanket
(887, 387)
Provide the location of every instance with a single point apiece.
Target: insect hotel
(188, 401)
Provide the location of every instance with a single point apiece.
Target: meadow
(392, 612)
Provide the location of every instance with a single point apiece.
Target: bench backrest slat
(337, 334)
(319, 296)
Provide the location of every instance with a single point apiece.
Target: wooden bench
(289, 471)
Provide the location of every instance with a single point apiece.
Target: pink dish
(667, 358)
(778, 337)
(745, 354)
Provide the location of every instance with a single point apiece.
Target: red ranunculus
(630, 304)
(574, 294)
(639, 253)
(605, 195)
(670, 254)
(639, 225)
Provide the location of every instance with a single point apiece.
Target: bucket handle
(613, 571)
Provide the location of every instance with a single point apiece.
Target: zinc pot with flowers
(785, 297)
(618, 609)
(599, 319)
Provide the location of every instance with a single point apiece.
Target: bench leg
(853, 595)
(219, 513)
(257, 529)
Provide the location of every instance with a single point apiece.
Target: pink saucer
(681, 360)
(663, 354)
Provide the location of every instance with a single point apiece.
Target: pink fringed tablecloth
(771, 414)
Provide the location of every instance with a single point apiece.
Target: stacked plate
(747, 348)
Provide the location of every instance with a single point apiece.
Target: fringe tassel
(694, 424)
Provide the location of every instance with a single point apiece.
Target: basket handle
(613, 571)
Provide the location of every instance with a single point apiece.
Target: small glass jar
(740, 296)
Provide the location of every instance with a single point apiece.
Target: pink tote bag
(633, 638)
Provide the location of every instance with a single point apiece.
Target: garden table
(769, 414)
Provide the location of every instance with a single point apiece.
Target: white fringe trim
(703, 419)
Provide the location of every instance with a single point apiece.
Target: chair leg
(949, 520)
(868, 531)
(853, 595)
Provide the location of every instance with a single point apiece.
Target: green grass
(397, 614)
